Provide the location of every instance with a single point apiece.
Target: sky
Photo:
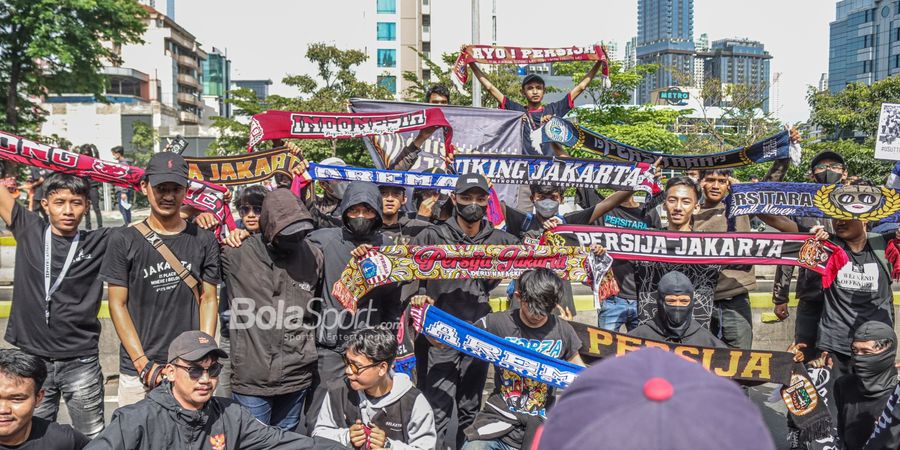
(268, 38)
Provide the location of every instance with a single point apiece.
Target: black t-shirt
(160, 304)
(533, 117)
(74, 330)
(555, 338)
(861, 292)
(46, 435)
(634, 219)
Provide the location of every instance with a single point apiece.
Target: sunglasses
(244, 210)
(356, 369)
(195, 372)
(835, 166)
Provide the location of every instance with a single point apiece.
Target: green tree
(56, 46)
(855, 108)
(334, 84)
(743, 121)
(144, 139)
(505, 77)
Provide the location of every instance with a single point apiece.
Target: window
(868, 41)
(897, 61)
(389, 82)
(387, 57)
(897, 31)
(387, 6)
(867, 67)
(870, 15)
(387, 31)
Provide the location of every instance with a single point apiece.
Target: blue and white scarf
(814, 200)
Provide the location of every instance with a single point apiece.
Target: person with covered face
(431, 205)
(674, 321)
(861, 395)
(446, 376)
(278, 269)
(325, 208)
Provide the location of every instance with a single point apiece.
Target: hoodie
(695, 334)
(336, 245)
(159, 422)
(273, 360)
(404, 407)
(465, 299)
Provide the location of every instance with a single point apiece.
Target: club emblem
(800, 397)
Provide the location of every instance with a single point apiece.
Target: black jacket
(336, 245)
(465, 299)
(402, 232)
(159, 422)
(273, 360)
(857, 414)
(695, 335)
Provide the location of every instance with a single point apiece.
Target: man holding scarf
(674, 321)
(861, 396)
(446, 376)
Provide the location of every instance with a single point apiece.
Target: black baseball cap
(827, 154)
(193, 346)
(471, 181)
(165, 167)
(532, 77)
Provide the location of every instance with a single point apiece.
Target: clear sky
(268, 38)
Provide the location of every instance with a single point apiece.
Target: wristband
(135, 360)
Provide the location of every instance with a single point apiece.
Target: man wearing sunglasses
(182, 412)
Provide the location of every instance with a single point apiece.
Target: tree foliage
(854, 109)
(144, 139)
(329, 90)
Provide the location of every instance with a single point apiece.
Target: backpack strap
(173, 260)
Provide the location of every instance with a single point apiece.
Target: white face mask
(338, 188)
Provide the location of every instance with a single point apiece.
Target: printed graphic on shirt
(525, 395)
(858, 277)
(622, 222)
(161, 276)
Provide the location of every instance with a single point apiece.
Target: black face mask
(876, 373)
(288, 242)
(677, 318)
(360, 226)
(828, 177)
(471, 213)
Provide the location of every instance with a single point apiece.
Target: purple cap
(651, 398)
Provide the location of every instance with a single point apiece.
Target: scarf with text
(477, 343)
(204, 196)
(493, 54)
(564, 132)
(807, 396)
(274, 124)
(833, 201)
(746, 366)
(242, 169)
(886, 434)
(396, 264)
(801, 250)
(565, 172)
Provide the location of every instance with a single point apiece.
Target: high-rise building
(665, 37)
(259, 87)
(630, 59)
(738, 62)
(612, 50)
(864, 42)
(166, 7)
(823, 82)
(701, 44)
(216, 83)
(401, 29)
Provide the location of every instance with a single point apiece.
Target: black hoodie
(158, 422)
(695, 334)
(336, 245)
(273, 360)
(465, 299)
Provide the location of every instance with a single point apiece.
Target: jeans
(126, 213)
(329, 367)
(282, 411)
(453, 379)
(618, 311)
(79, 382)
(224, 387)
(732, 321)
(487, 445)
(95, 205)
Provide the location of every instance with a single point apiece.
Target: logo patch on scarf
(857, 202)
(812, 253)
(376, 267)
(801, 396)
(218, 441)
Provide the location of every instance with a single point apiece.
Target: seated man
(375, 407)
(674, 320)
(861, 396)
(21, 378)
(182, 412)
(518, 405)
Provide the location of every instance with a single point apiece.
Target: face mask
(287, 242)
(828, 177)
(471, 213)
(875, 372)
(360, 226)
(338, 189)
(677, 318)
(546, 208)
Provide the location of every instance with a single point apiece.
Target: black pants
(95, 205)
(453, 378)
(329, 367)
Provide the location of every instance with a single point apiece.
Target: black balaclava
(674, 320)
(876, 373)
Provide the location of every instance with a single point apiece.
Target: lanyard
(48, 289)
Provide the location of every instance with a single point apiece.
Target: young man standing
(21, 377)
(436, 95)
(398, 228)
(536, 112)
(531, 325)
(54, 316)
(124, 197)
(732, 319)
(375, 399)
(149, 301)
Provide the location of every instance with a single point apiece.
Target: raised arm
(609, 203)
(7, 201)
(488, 86)
(586, 81)
(780, 223)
